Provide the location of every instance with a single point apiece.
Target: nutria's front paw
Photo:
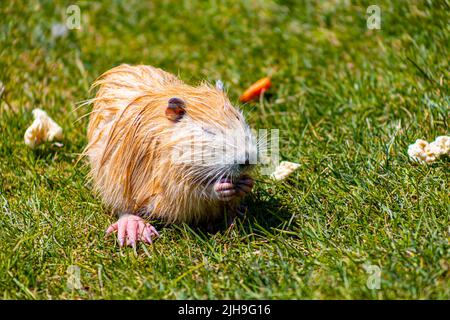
(244, 185)
(131, 229)
(226, 190)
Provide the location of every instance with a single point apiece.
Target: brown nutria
(162, 149)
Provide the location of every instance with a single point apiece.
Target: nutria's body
(144, 129)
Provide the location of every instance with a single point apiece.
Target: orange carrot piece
(256, 89)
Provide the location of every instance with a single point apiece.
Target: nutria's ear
(175, 109)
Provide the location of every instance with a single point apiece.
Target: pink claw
(131, 229)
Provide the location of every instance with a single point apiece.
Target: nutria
(159, 148)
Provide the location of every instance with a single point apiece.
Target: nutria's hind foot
(131, 229)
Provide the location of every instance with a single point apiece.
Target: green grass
(347, 101)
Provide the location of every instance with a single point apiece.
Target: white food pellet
(441, 145)
(42, 129)
(284, 169)
(425, 152)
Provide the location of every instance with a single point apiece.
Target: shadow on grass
(262, 214)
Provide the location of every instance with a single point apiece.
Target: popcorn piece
(42, 129)
(416, 151)
(284, 169)
(425, 152)
(441, 145)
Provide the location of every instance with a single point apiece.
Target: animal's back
(119, 87)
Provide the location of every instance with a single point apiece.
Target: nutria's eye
(175, 109)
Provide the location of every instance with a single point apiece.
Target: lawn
(347, 102)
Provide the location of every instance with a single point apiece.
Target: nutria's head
(210, 139)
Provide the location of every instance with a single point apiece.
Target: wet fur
(131, 139)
